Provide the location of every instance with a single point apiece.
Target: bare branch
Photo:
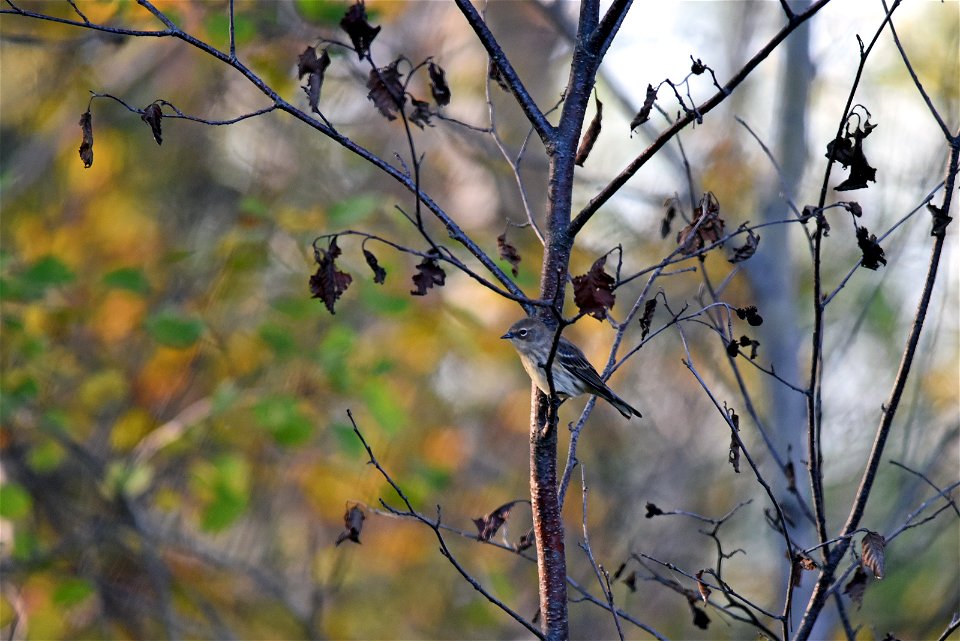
(545, 130)
(607, 192)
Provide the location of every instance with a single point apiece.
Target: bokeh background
(177, 457)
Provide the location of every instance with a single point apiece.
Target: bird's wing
(573, 359)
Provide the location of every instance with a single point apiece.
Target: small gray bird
(573, 375)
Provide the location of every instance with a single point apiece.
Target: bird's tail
(623, 407)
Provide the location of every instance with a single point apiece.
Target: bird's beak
(507, 335)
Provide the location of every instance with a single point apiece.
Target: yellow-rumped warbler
(572, 373)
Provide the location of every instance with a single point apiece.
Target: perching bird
(572, 373)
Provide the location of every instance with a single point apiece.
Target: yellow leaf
(130, 428)
(118, 314)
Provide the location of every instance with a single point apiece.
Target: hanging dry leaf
(848, 151)
(856, 587)
(593, 291)
(352, 525)
(873, 548)
(86, 145)
(308, 64)
(328, 283)
(853, 207)
(751, 315)
(421, 113)
(702, 587)
(152, 115)
(526, 541)
(672, 205)
(379, 273)
(705, 229)
(494, 73)
(509, 253)
(652, 510)
(747, 249)
(386, 90)
(872, 252)
(488, 525)
(644, 114)
(429, 274)
(354, 22)
(648, 310)
(438, 85)
(589, 138)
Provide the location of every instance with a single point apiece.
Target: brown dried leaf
(853, 207)
(940, 220)
(702, 587)
(872, 252)
(705, 229)
(589, 138)
(873, 547)
(308, 64)
(748, 249)
(648, 310)
(86, 145)
(488, 525)
(361, 33)
(421, 113)
(526, 541)
(152, 115)
(733, 455)
(673, 207)
(644, 114)
(631, 581)
(509, 253)
(386, 90)
(494, 73)
(593, 291)
(652, 510)
(856, 587)
(328, 283)
(751, 315)
(438, 85)
(379, 273)
(352, 525)
(429, 274)
(848, 151)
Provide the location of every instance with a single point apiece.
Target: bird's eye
(522, 333)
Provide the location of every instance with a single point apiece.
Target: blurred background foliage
(177, 458)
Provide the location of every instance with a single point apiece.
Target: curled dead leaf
(152, 115)
(86, 145)
(593, 291)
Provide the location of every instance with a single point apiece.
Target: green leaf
(231, 491)
(173, 330)
(72, 591)
(15, 501)
(247, 255)
(223, 511)
(46, 456)
(284, 420)
(326, 12)
(129, 278)
(347, 441)
(296, 307)
(382, 404)
(352, 210)
(47, 272)
(31, 284)
(279, 339)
